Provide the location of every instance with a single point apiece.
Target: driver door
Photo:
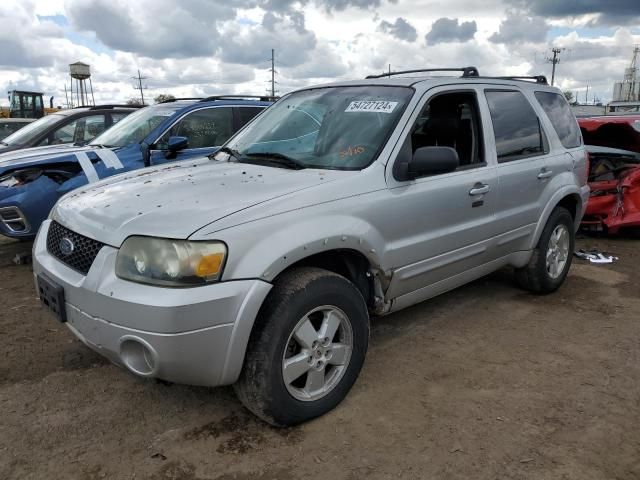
(440, 227)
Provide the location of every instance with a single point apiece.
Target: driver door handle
(544, 173)
(479, 189)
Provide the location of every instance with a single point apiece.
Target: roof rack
(537, 78)
(113, 105)
(169, 100)
(108, 106)
(262, 98)
(466, 72)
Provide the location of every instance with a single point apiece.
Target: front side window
(515, 125)
(451, 120)
(116, 117)
(561, 117)
(92, 127)
(135, 127)
(62, 135)
(209, 127)
(334, 127)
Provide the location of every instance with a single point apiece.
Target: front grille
(83, 252)
(13, 220)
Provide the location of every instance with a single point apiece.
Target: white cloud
(201, 47)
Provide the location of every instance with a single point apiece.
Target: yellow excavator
(23, 104)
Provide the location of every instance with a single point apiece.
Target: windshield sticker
(351, 151)
(380, 106)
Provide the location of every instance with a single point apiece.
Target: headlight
(20, 177)
(170, 263)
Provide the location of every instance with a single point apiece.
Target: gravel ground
(484, 382)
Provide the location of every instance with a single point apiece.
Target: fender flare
(558, 196)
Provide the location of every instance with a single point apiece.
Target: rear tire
(306, 349)
(551, 259)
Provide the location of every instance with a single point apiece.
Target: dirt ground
(486, 382)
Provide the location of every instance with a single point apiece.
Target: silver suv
(261, 265)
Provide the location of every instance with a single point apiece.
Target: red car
(613, 143)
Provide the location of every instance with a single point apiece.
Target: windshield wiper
(229, 151)
(5, 144)
(275, 157)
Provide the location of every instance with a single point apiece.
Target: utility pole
(586, 95)
(554, 60)
(273, 74)
(140, 78)
(389, 70)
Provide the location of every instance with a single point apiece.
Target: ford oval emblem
(66, 246)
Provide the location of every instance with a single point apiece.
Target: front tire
(306, 349)
(551, 259)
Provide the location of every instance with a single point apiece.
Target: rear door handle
(544, 174)
(479, 189)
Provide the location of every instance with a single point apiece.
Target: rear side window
(245, 114)
(563, 121)
(515, 125)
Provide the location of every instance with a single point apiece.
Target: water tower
(81, 72)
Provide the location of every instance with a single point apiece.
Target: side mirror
(432, 160)
(177, 143)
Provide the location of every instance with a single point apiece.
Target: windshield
(340, 128)
(135, 127)
(31, 131)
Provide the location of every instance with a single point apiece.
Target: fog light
(138, 356)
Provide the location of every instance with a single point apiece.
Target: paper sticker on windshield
(379, 106)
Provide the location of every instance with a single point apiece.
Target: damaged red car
(613, 143)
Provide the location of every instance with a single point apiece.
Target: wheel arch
(567, 198)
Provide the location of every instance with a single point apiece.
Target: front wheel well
(351, 264)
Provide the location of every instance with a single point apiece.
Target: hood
(175, 200)
(40, 155)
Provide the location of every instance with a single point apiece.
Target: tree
(135, 102)
(163, 97)
(568, 94)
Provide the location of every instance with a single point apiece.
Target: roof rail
(537, 78)
(108, 106)
(169, 100)
(262, 98)
(113, 105)
(466, 72)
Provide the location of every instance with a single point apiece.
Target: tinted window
(451, 120)
(91, 127)
(116, 117)
(245, 114)
(7, 128)
(515, 125)
(204, 128)
(561, 117)
(61, 135)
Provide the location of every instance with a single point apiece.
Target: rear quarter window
(561, 117)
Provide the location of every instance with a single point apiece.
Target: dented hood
(175, 200)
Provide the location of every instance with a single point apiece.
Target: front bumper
(195, 336)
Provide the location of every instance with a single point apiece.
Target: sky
(194, 48)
